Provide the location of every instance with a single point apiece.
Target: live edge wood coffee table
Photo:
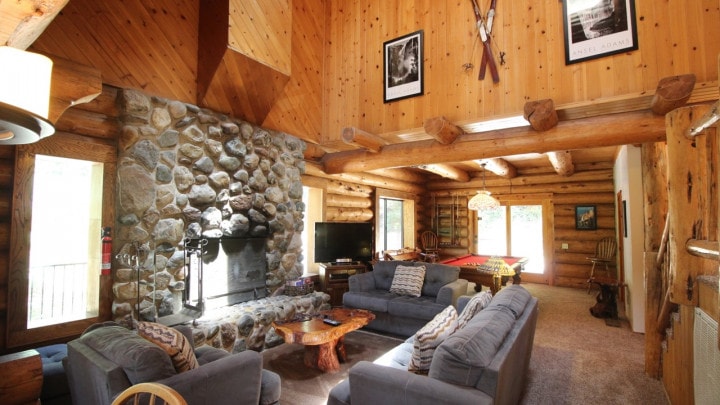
(324, 347)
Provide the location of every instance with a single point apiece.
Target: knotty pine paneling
(675, 37)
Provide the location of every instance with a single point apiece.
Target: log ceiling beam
(71, 84)
(442, 130)
(362, 139)
(672, 92)
(562, 162)
(22, 22)
(446, 171)
(607, 130)
(541, 114)
(500, 167)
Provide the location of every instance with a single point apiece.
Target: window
(390, 220)
(62, 197)
(394, 220)
(513, 230)
(64, 272)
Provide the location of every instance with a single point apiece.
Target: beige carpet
(576, 359)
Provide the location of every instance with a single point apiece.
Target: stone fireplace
(187, 173)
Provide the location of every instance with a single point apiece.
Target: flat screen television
(343, 240)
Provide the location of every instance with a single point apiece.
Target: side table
(21, 378)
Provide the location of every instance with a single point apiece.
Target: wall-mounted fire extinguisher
(106, 252)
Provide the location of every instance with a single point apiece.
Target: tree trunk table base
(324, 344)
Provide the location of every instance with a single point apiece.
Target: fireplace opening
(224, 271)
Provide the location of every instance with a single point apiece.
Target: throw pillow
(429, 337)
(408, 280)
(475, 305)
(173, 342)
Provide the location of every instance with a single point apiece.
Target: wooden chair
(156, 393)
(605, 255)
(429, 242)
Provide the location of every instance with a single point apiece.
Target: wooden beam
(610, 130)
(442, 130)
(562, 162)
(362, 139)
(541, 114)
(447, 171)
(672, 92)
(22, 22)
(71, 84)
(500, 167)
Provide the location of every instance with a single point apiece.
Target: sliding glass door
(514, 230)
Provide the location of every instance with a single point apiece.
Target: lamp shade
(482, 200)
(24, 96)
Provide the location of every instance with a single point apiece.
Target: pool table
(468, 269)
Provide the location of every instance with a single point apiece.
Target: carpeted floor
(576, 359)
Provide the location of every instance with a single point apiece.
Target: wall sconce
(24, 96)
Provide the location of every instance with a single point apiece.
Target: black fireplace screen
(224, 271)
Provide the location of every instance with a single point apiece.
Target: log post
(653, 337)
(362, 139)
(562, 162)
(541, 114)
(500, 167)
(447, 171)
(442, 130)
(708, 119)
(672, 92)
(690, 180)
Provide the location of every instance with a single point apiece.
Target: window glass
(64, 272)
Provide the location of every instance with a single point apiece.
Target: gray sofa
(485, 362)
(108, 358)
(399, 314)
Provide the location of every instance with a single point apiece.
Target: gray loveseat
(485, 362)
(400, 314)
(108, 358)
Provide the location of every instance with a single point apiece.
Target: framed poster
(403, 67)
(594, 29)
(585, 218)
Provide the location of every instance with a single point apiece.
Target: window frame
(67, 146)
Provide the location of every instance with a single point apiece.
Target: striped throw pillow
(173, 342)
(408, 280)
(475, 305)
(429, 337)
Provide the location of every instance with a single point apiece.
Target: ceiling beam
(22, 22)
(446, 171)
(562, 162)
(442, 130)
(608, 130)
(500, 167)
(361, 139)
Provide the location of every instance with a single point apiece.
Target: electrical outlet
(565, 246)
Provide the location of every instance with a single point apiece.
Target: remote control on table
(331, 322)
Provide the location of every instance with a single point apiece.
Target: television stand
(334, 279)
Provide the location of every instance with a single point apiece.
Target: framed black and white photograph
(585, 218)
(403, 67)
(597, 28)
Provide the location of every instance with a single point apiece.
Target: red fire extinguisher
(106, 252)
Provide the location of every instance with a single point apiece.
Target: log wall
(592, 185)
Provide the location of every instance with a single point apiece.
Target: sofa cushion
(464, 355)
(375, 301)
(141, 360)
(475, 305)
(438, 275)
(173, 341)
(408, 280)
(514, 298)
(429, 337)
(423, 307)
